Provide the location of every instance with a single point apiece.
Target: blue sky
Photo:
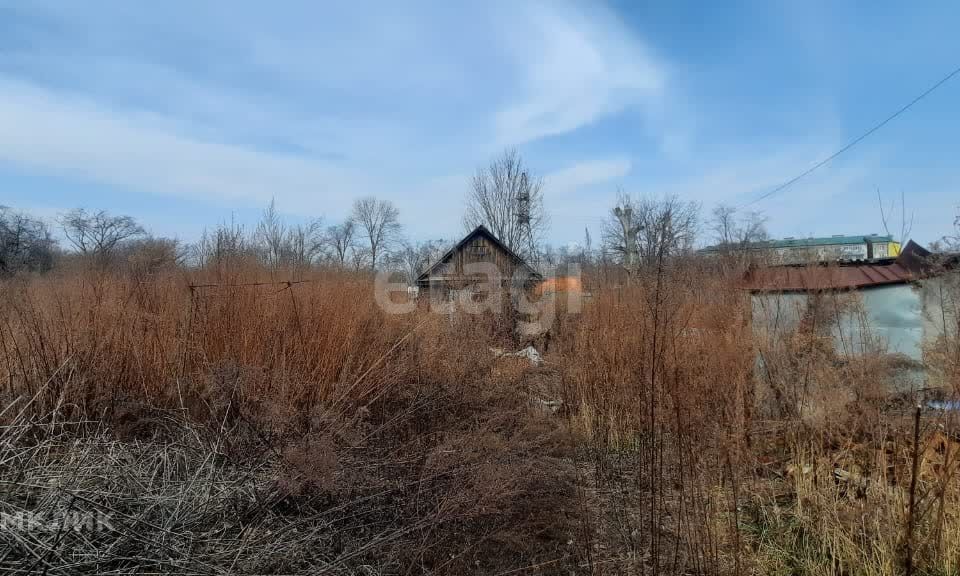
(184, 114)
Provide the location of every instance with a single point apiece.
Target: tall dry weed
(323, 433)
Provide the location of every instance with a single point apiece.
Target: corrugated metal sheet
(909, 266)
(813, 278)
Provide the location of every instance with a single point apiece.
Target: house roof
(909, 266)
(814, 278)
(478, 231)
(839, 240)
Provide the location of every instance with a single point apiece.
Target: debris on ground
(529, 353)
(549, 406)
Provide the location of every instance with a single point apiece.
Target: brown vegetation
(226, 421)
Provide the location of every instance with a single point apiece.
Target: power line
(856, 141)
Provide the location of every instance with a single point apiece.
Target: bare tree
(753, 228)
(379, 225)
(906, 223)
(280, 244)
(949, 243)
(25, 243)
(228, 241)
(723, 223)
(341, 240)
(150, 254)
(643, 231)
(98, 233)
(668, 227)
(620, 232)
(270, 235)
(304, 243)
(413, 258)
(507, 199)
(548, 256)
(731, 229)
(359, 257)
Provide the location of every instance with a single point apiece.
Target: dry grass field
(249, 426)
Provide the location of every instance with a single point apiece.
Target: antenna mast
(525, 236)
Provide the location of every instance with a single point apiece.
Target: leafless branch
(498, 193)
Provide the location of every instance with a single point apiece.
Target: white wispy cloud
(577, 68)
(315, 107)
(585, 174)
(64, 134)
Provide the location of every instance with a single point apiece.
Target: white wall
(941, 307)
(890, 315)
(883, 318)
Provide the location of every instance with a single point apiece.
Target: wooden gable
(479, 246)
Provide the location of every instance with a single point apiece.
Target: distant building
(474, 264)
(827, 249)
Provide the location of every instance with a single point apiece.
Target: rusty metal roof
(911, 265)
(814, 278)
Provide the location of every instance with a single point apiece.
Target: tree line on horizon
(504, 195)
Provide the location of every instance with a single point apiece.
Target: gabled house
(479, 259)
